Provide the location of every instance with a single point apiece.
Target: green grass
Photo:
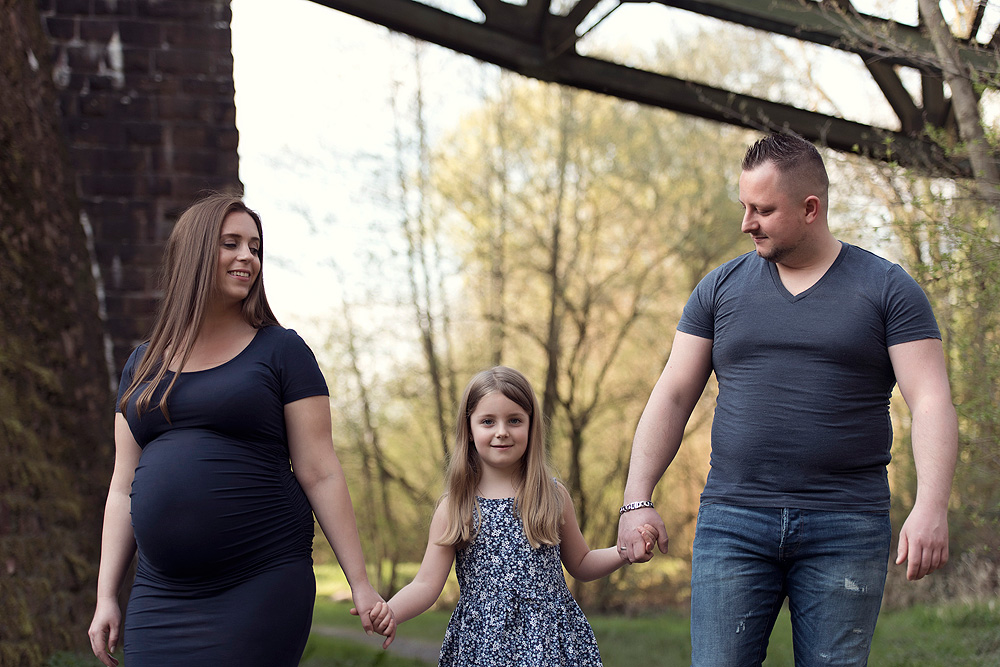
(320, 652)
(929, 636)
(658, 639)
(70, 659)
(332, 651)
(428, 626)
(939, 636)
(944, 636)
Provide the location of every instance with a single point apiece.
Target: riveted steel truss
(531, 39)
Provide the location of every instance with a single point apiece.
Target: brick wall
(146, 98)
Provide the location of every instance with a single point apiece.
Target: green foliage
(943, 230)
(332, 586)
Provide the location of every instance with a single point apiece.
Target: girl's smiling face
(500, 429)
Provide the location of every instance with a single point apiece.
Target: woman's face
(239, 257)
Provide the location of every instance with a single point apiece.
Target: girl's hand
(382, 620)
(649, 536)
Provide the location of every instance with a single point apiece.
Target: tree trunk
(966, 105)
(553, 347)
(56, 452)
(420, 245)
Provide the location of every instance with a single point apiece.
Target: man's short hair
(788, 153)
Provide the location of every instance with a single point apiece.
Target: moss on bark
(56, 448)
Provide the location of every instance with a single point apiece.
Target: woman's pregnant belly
(204, 505)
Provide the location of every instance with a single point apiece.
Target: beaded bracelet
(634, 506)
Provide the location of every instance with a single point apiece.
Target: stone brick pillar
(146, 98)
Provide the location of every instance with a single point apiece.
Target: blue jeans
(830, 565)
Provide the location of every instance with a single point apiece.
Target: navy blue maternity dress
(224, 531)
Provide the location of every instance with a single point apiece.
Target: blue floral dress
(514, 609)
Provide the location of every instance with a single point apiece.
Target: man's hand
(923, 542)
(632, 542)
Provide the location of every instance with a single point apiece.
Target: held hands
(637, 529)
(380, 619)
(649, 536)
(384, 622)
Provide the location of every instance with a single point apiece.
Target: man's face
(771, 213)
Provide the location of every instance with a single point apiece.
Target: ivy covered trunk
(56, 450)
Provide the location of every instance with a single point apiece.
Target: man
(807, 337)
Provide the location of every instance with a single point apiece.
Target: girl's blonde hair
(536, 496)
(188, 282)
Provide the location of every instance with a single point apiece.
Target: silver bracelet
(634, 506)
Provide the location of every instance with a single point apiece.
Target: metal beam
(527, 55)
(828, 24)
(491, 41)
(887, 79)
(560, 38)
(936, 107)
(744, 111)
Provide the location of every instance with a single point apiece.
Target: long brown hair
(188, 283)
(536, 496)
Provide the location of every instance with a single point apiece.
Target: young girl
(507, 523)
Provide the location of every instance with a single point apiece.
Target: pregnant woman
(223, 452)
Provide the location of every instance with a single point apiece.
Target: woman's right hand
(105, 631)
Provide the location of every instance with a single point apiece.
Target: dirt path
(428, 651)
